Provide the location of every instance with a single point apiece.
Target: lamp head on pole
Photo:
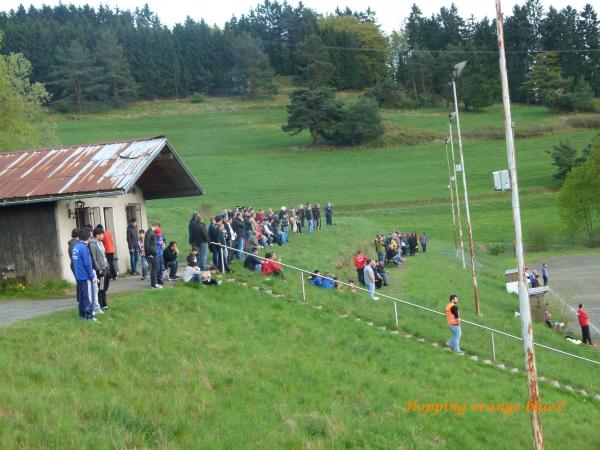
(458, 68)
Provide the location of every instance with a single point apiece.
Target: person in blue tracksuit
(84, 274)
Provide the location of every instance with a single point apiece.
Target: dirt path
(15, 310)
(576, 279)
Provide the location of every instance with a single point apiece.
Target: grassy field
(227, 370)
(210, 368)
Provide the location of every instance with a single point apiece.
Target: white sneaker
(375, 298)
(98, 311)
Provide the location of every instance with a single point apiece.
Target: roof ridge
(70, 147)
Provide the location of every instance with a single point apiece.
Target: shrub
(537, 239)
(197, 98)
(357, 123)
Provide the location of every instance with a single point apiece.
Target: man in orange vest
(453, 323)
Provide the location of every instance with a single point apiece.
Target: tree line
(88, 56)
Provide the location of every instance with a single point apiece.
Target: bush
(197, 98)
(388, 94)
(357, 123)
(537, 239)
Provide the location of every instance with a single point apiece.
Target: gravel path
(15, 310)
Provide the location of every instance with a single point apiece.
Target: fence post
(493, 347)
(222, 261)
(303, 288)
(396, 314)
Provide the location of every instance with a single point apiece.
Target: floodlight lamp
(458, 68)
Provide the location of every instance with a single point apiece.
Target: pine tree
(115, 70)
(78, 78)
(315, 69)
(251, 74)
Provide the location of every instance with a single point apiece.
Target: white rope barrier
(414, 305)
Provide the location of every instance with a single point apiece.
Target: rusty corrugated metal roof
(68, 171)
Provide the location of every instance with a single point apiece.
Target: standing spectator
(412, 243)
(316, 213)
(329, 214)
(545, 274)
(151, 251)
(309, 218)
(423, 240)
(143, 260)
(548, 319)
(300, 218)
(359, 262)
(193, 229)
(252, 262)
(584, 323)
(132, 244)
(453, 320)
(213, 235)
(161, 244)
(380, 248)
(221, 239)
(84, 274)
(74, 240)
(202, 243)
(369, 279)
(237, 224)
(170, 257)
(100, 263)
(109, 247)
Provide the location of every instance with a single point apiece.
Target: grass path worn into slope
(210, 368)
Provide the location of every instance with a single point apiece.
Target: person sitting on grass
(270, 266)
(328, 282)
(193, 273)
(192, 258)
(252, 262)
(206, 276)
(351, 286)
(380, 268)
(315, 278)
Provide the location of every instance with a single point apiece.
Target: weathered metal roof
(101, 169)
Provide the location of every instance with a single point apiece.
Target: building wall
(29, 239)
(119, 229)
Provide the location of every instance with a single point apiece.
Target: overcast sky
(390, 13)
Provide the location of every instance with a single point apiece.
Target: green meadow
(231, 367)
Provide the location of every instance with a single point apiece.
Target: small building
(46, 193)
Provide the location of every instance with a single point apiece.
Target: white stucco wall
(118, 205)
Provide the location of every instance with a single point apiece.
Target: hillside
(230, 367)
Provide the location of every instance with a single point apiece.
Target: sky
(390, 13)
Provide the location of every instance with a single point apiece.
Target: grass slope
(220, 368)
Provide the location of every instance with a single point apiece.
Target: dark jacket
(316, 212)
(213, 235)
(169, 255)
(251, 261)
(132, 237)
(193, 232)
(238, 227)
(308, 214)
(150, 246)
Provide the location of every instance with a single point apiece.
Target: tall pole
(451, 194)
(526, 329)
(460, 230)
(464, 178)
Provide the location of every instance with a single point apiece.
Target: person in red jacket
(359, 262)
(109, 249)
(270, 266)
(584, 322)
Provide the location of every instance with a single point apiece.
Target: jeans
(153, 261)
(133, 259)
(384, 275)
(371, 288)
(424, 246)
(95, 303)
(283, 237)
(311, 226)
(258, 267)
(172, 266)
(203, 255)
(454, 341)
(145, 264)
(84, 287)
(161, 265)
(328, 219)
(239, 246)
(380, 256)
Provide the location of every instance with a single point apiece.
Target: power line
(492, 52)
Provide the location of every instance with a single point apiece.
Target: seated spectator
(252, 262)
(207, 276)
(351, 287)
(393, 256)
(327, 281)
(270, 266)
(548, 319)
(193, 272)
(170, 259)
(192, 258)
(380, 269)
(315, 278)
